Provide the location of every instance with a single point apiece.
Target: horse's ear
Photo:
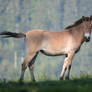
(83, 18)
(90, 17)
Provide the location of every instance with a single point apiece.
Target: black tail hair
(7, 34)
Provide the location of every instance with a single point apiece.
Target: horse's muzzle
(87, 39)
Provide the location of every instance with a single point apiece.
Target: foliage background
(25, 15)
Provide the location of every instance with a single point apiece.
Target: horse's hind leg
(31, 67)
(25, 64)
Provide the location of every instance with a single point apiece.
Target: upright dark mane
(77, 22)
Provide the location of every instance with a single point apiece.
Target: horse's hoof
(21, 81)
(61, 78)
(66, 78)
(33, 80)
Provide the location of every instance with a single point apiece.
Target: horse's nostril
(87, 39)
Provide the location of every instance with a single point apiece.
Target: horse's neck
(78, 32)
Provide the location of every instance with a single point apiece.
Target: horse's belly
(57, 52)
(51, 51)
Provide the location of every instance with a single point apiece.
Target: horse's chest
(71, 45)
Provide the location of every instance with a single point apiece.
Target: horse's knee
(24, 66)
(65, 66)
(31, 67)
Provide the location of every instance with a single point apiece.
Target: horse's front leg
(68, 71)
(67, 65)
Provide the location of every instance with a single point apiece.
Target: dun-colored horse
(65, 42)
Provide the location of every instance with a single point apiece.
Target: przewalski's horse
(65, 42)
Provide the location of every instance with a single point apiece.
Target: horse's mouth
(87, 39)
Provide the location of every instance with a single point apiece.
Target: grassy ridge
(76, 85)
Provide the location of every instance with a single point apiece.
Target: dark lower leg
(31, 68)
(63, 72)
(68, 72)
(22, 72)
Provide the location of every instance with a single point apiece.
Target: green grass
(76, 85)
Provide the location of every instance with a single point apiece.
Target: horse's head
(87, 27)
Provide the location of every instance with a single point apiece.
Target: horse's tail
(7, 34)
